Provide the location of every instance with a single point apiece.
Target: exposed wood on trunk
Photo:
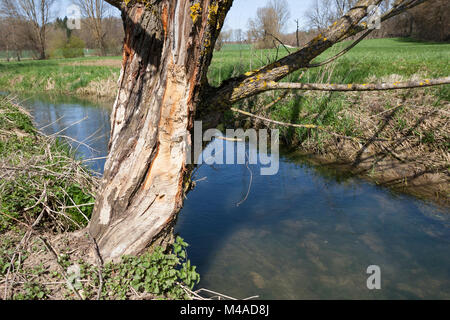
(165, 60)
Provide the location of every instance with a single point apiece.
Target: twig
(100, 265)
(63, 271)
(249, 184)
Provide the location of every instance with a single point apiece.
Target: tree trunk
(167, 50)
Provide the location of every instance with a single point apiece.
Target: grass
(59, 76)
(370, 61)
(39, 175)
(375, 57)
(370, 58)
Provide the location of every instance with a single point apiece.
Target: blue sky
(239, 14)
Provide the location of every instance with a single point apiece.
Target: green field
(54, 76)
(370, 61)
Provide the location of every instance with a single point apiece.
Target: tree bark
(167, 50)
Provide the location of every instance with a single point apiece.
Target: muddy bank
(404, 146)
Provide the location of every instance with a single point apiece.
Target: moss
(196, 11)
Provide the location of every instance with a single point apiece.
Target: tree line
(31, 25)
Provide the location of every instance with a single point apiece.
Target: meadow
(375, 57)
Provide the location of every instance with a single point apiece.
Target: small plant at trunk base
(32, 291)
(158, 274)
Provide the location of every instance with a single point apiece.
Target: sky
(242, 10)
(239, 14)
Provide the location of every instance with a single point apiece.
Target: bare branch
(116, 3)
(252, 83)
(358, 87)
(340, 54)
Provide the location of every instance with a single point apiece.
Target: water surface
(305, 233)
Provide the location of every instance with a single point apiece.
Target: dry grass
(404, 145)
(116, 63)
(104, 88)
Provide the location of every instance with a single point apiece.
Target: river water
(304, 233)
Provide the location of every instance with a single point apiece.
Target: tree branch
(252, 83)
(397, 9)
(357, 87)
(116, 3)
(340, 54)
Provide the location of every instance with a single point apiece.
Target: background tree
(34, 17)
(224, 37)
(164, 87)
(424, 22)
(324, 12)
(269, 23)
(95, 12)
(12, 37)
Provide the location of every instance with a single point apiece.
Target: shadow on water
(305, 233)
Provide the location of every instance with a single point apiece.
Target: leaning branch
(357, 87)
(116, 3)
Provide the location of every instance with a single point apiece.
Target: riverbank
(90, 77)
(46, 200)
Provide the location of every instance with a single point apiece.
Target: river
(305, 233)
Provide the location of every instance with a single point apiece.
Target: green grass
(375, 57)
(39, 166)
(56, 75)
(371, 60)
(41, 178)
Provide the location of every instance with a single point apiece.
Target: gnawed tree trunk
(167, 50)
